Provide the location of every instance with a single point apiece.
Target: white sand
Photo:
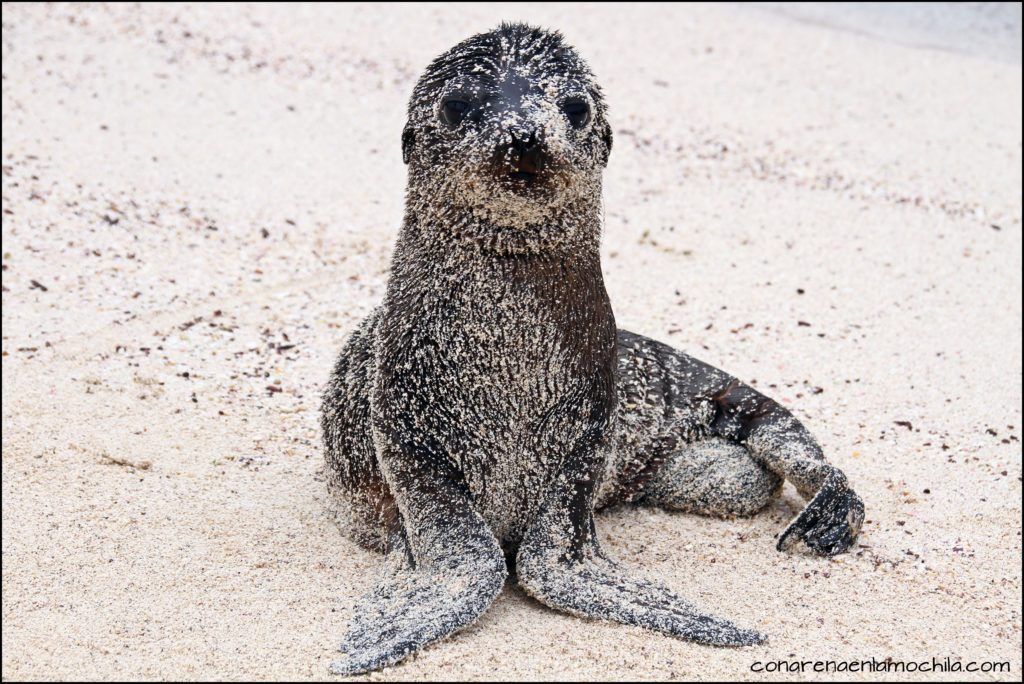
(144, 151)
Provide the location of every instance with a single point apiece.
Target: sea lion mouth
(521, 176)
(524, 183)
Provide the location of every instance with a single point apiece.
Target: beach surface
(200, 202)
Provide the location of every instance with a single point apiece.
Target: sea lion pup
(489, 405)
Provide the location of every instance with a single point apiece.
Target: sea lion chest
(507, 350)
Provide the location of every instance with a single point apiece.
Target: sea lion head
(508, 127)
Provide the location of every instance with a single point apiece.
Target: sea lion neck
(572, 233)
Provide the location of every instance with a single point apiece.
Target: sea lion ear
(606, 138)
(408, 138)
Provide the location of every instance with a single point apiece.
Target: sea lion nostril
(525, 153)
(523, 143)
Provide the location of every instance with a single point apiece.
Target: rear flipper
(561, 564)
(721, 478)
(829, 524)
(832, 519)
(717, 419)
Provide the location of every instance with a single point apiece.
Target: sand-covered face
(507, 128)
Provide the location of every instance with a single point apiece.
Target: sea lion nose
(527, 152)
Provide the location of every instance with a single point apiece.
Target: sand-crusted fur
(490, 405)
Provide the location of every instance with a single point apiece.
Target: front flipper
(414, 606)
(444, 566)
(597, 587)
(561, 564)
(830, 522)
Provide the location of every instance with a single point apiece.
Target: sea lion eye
(454, 110)
(578, 112)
